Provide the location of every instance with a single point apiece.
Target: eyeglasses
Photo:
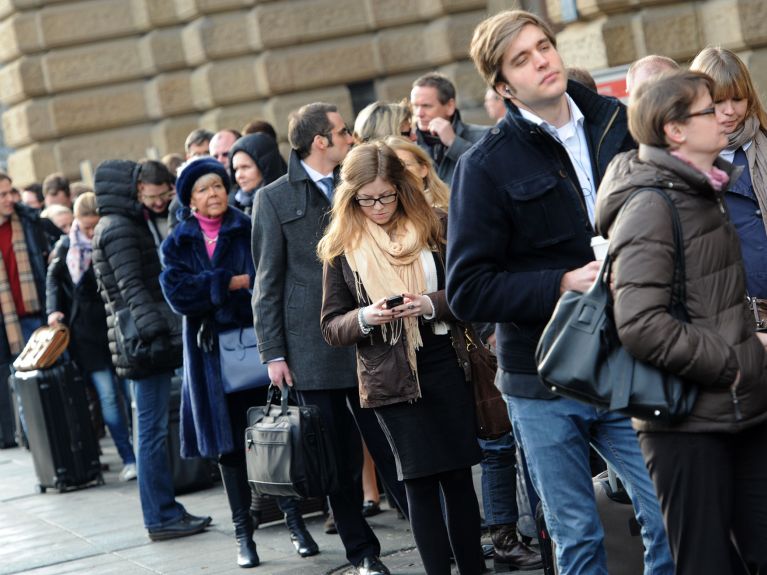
(704, 112)
(370, 202)
(155, 197)
(406, 134)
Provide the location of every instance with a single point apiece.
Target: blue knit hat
(195, 169)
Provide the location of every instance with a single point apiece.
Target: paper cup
(599, 245)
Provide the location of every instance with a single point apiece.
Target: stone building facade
(97, 79)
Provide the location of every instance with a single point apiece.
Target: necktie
(326, 184)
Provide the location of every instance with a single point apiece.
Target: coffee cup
(599, 245)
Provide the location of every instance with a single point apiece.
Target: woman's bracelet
(365, 327)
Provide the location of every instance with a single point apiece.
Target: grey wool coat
(289, 218)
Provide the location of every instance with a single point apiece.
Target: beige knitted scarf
(389, 266)
(28, 287)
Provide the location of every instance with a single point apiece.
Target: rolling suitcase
(623, 539)
(7, 417)
(64, 450)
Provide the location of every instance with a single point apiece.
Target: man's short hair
(653, 65)
(197, 138)
(583, 76)
(154, 172)
(445, 88)
(55, 183)
(259, 126)
(4, 177)
(309, 121)
(493, 36)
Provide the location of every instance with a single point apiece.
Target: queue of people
(367, 262)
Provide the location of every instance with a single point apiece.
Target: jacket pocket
(296, 301)
(543, 210)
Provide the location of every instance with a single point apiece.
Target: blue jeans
(555, 435)
(106, 386)
(155, 482)
(499, 483)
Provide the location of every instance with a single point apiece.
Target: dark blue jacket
(518, 223)
(198, 288)
(38, 250)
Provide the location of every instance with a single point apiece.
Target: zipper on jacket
(735, 403)
(602, 139)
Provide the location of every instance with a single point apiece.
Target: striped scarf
(28, 288)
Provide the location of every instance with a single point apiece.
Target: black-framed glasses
(704, 112)
(370, 202)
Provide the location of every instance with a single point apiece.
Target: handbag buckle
(470, 345)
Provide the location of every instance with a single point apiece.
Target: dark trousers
(712, 489)
(458, 528)
(345, 421)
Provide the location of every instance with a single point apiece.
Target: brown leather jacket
(383, 371)
(719, 340)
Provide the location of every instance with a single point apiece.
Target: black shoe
(302, 540)
(372, 566)
(180, 528)
(205, 519)
(370, 508)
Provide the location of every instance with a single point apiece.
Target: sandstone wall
(97, 79)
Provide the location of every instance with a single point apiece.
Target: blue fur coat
(197, 287)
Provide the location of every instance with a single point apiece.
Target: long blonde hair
(731, 79)
(440, 193)
(362, 166)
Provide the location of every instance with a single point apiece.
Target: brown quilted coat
(719, 340)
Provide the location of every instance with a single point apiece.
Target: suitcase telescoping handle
(283, 399)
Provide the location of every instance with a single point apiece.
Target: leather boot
(299, 534)
(257, 505)
(510, 551)
(237, 489)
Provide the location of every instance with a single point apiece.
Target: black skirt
(436, 432)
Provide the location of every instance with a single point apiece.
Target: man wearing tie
(289, 218)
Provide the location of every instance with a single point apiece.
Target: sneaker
(128, 472)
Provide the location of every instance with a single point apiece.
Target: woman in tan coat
(710, 470)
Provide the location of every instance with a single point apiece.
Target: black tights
(462, 532)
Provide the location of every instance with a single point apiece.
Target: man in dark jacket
(127, 266)
(530, 185)
(439, 128)
(23, 260)
(289, 218)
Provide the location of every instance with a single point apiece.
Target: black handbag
(289, 451)
(580, 356)
(241, 366)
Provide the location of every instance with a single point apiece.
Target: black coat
(127, 265)
(82, 308)
(518, 223)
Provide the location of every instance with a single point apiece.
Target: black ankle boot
(510, 551)
(299, 534)
(238, 493)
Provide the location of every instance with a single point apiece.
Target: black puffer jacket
(719, 340)
(127, 266)
(265, 152)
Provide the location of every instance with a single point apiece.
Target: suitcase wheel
(40, 488)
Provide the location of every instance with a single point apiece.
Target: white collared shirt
(729, 155)
(572, 136)
(316, 176)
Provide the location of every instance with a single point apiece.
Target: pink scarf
(79, 254)
(210, 228)
(716, 177)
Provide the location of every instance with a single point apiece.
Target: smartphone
(394, 301)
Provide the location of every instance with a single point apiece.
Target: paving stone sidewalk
(99, 531)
